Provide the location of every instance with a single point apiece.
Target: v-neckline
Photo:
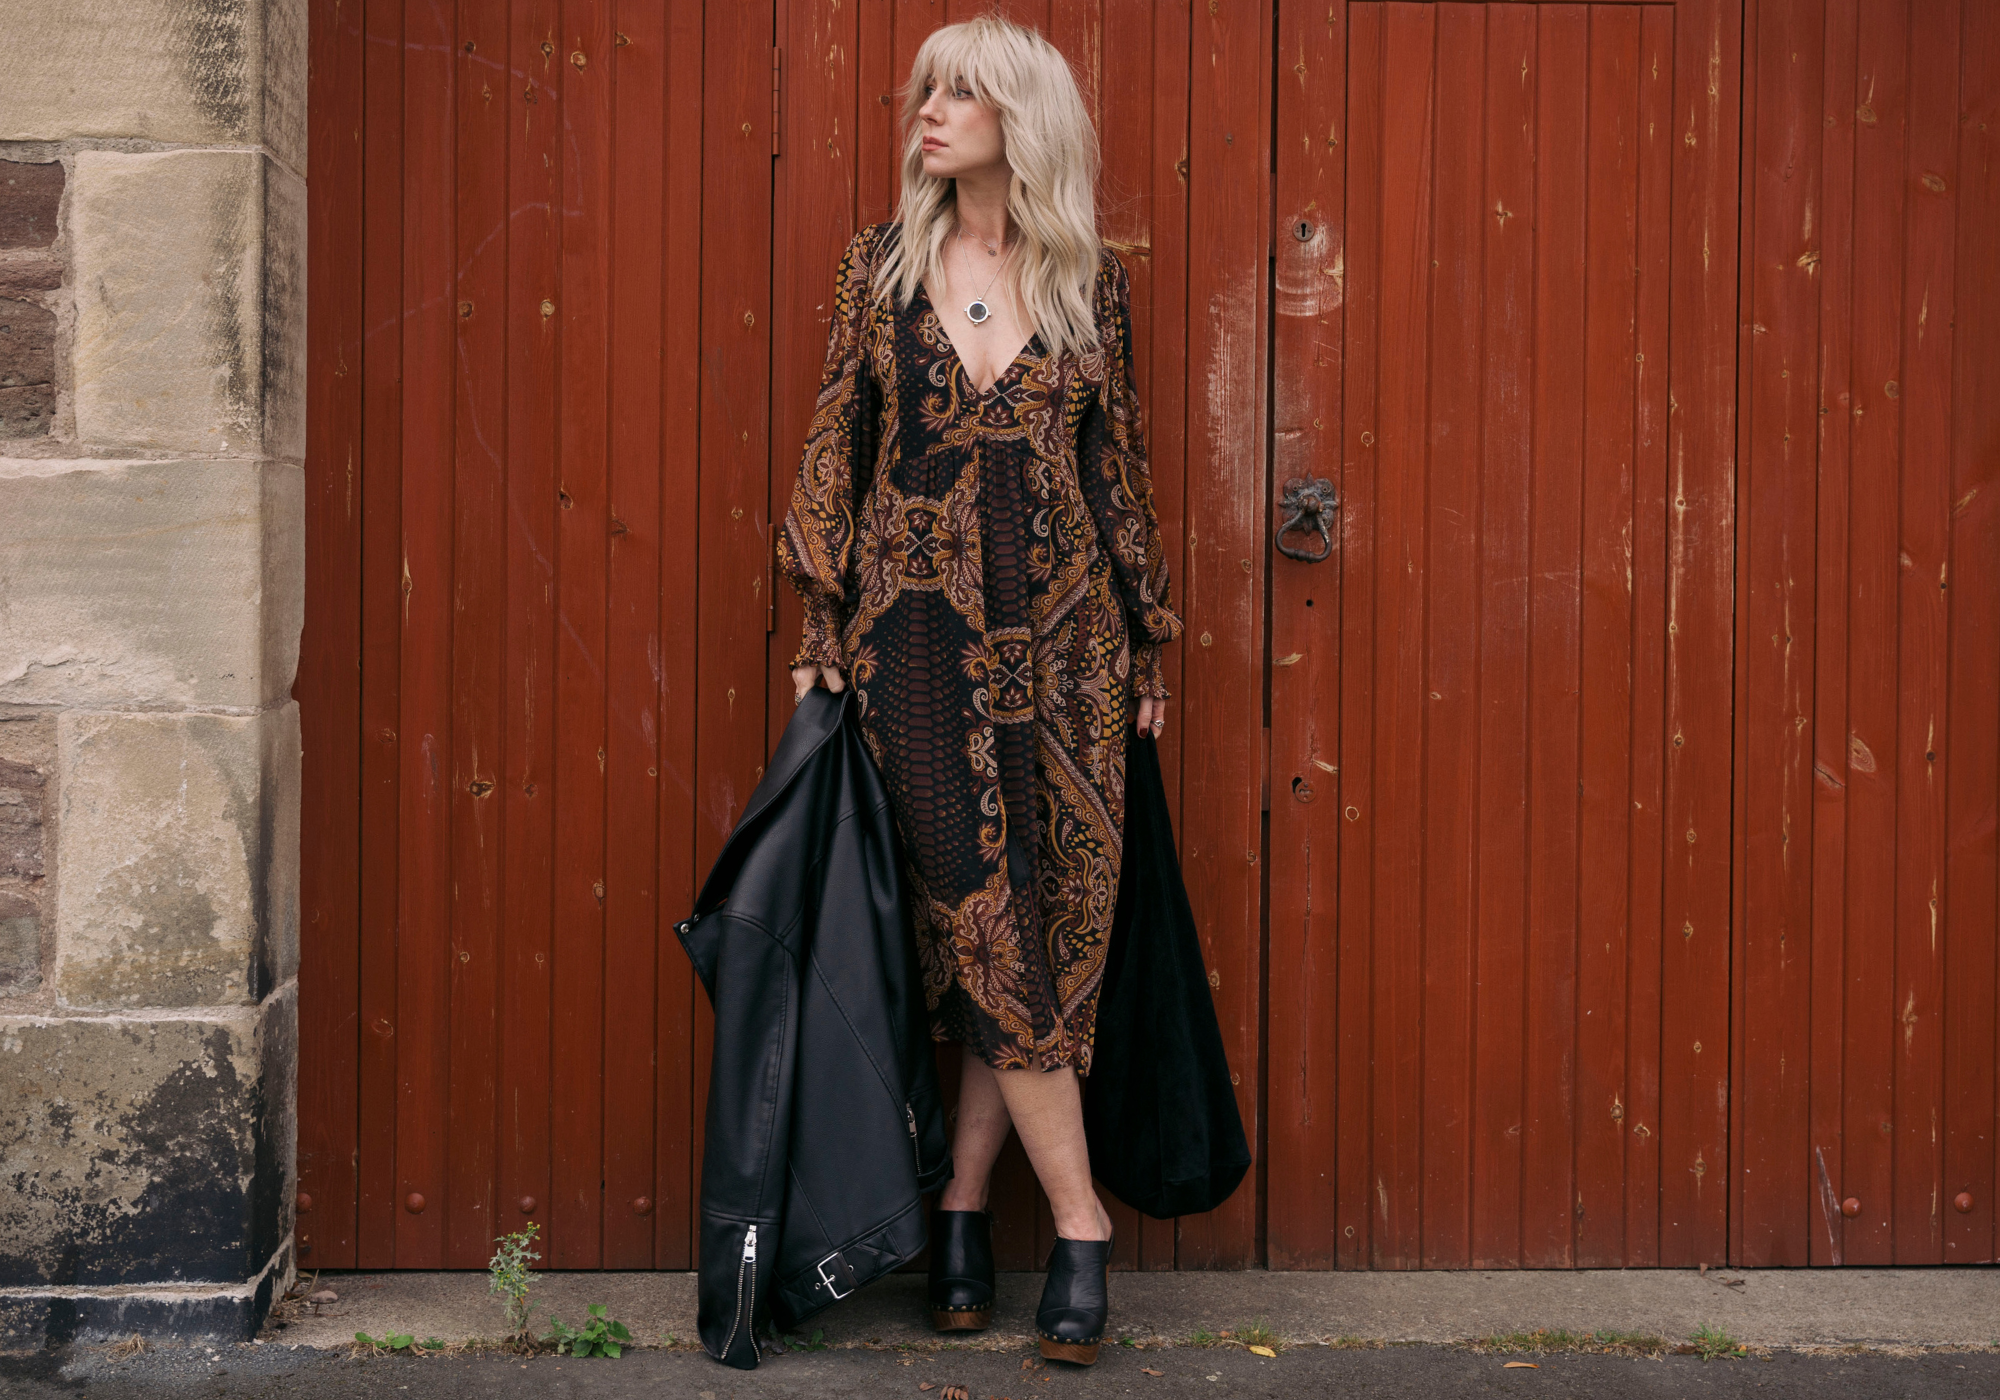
(958, 361)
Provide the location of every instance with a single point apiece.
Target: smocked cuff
(819, 640)
(1149, 673)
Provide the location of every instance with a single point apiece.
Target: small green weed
(1257, 1335)
(600, 1336)
(1202, 1337)
(399, 1341)
(512, 1275)
(1711, 1342)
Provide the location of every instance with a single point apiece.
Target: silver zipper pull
(750, 1245)
(912, 1119)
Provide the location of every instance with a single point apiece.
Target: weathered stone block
(190, 302)
(30, 200)
(23, 792)
(145, 1151)
(177, 848)
(196, 71)
(27, 368)
(140, 584)
(20, 942)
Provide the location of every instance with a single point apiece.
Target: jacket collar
(817, 719)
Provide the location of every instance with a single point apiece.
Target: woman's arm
(816, 542)
(1117, 484)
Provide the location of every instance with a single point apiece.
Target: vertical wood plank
(1694, 1068)
(478, 630)
(1446, 700)
(328, 688)
(1221, 816)
(576, 1207)
(1605, 739)
(1651, 506)
(1868, 1152)
(1923, 753)
(423, 906)
(680, 366)
(633, 929)
(1362, 1198)
(1972, 862)
(1548, 1194)
(1778, 431)
(1831, 931)
(381, 627)
(1507, 218)
(534, 197)
(1302, 976)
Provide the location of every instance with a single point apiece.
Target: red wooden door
(1500, 709)
(541, 369)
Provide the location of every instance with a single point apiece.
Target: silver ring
(1158, 725)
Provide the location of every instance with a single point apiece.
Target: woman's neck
(982, 210)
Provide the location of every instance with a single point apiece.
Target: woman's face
(961, 134)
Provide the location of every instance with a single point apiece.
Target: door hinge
(777, 71)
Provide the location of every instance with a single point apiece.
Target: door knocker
(1309, 505)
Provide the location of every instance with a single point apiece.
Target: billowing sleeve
(816, 543)
(1117, 484)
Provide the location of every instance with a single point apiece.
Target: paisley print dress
(986, 570)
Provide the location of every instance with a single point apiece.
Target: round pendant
(975, 311)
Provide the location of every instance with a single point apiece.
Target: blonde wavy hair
(1052, 149)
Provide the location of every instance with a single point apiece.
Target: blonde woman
(973, 534)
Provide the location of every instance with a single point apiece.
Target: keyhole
(1303, 232)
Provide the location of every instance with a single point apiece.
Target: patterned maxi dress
(986, 570)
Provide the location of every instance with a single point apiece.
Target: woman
(973, 534)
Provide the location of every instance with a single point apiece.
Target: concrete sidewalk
(1763, 1308)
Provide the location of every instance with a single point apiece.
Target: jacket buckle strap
(843, 1273)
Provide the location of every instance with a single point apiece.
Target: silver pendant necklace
(976, 310)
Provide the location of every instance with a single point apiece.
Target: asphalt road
(1422, 1372)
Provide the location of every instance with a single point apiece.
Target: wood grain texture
(328, 687)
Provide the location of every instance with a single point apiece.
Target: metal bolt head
(1850, 1207)
(305, 1203)
(527, 1204)
(1962, 1203)
(414, 1203)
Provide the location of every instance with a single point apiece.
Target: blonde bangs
(1051, 146)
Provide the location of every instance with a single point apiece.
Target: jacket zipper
(916, 1147)
(746, 1266)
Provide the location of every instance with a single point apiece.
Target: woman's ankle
(968, 1201)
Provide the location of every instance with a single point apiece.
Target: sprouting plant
(512, 1275)
(1710, 1342)
(600, 1336)
(388, 1341)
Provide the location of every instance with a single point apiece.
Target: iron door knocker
(1309, 505)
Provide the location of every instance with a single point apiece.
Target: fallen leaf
(1151, 1372)
(926, 1385)
(955, 1392)
(1523, 1365)
(1263, 1351)
(1027, 1363)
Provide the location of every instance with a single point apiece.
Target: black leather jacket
(824, 1121)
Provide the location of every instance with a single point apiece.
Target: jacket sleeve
(816, 544)
(1113, 472)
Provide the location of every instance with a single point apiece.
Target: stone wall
(152, 402)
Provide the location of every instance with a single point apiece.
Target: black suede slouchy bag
(1159, 1112)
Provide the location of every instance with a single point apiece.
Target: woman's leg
(977, 1136)
(1046, 1107)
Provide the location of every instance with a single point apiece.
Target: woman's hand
(1152, 715)
(805, 677)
